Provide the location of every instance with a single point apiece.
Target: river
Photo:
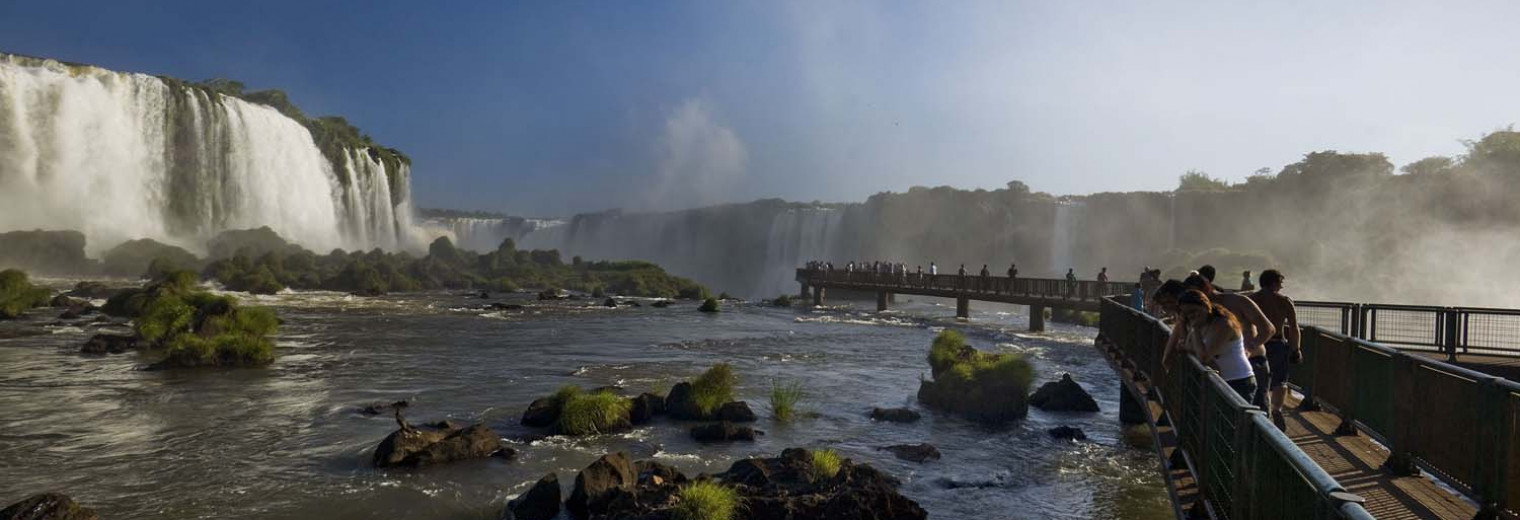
(287, 441)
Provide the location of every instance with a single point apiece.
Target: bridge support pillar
(881, 301)
(1036, 318)
(817, 296)
(1131, 411)
(963, 308)
(804, 293)
(891, 297)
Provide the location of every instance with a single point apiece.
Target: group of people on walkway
(1250, 337)
(984, 280)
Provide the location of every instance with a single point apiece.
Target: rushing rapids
(121, 156)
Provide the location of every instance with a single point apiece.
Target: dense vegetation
(445, 267)
(583, 413)
(980, 385)
(17, 294)
(194, 327)
(706, 500)
(714, 388)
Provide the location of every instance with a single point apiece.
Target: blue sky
(551, 108)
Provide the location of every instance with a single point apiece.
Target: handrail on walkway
(1449, 330)
(1246, 469)
(1051, 288)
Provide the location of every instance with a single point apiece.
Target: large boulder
(723, 432)
(413, 447)
(109, 344)
(898, 415)
(655, 473)
(597, 486)
(680, 404)
(541, 502)
(47, 506)
(1063, 396)
(93, 290)
(1067, 432)
(645, 407)
(737, 411)
(542, 413)
(922, 452)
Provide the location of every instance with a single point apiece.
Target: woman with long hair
(1214, 335)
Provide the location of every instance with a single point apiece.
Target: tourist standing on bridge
(1245, 282)
(1137, 298)
(1283, 350)
(933, 269)
(1257, 330)
(1208, 272)
(1071, 281)
(961, 277)
(1103, 275)
(1165, 300)
(986, 278)
(1150, 280)
(1216, 333)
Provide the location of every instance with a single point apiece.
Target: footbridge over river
(1037, 293)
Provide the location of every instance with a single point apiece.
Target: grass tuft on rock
(825, 464)
(593, 413)
(980, 385)
(709, 305)
(782, 301)
(784, 399)
(714, 388)
(706, 500)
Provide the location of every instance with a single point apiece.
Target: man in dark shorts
(1283, 350)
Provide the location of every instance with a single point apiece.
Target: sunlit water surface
(287, 441)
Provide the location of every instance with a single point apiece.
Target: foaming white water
(485, 234)
(120, 156)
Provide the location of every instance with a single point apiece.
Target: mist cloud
(701, 161)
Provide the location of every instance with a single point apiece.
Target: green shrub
(706, 500)
(195, 327)
(825, 465)
(783, 301)
(948, 347)
(163, 318)
(714, 388)
(784, 399)
(586, 414)
(17, 294)
(710, 305)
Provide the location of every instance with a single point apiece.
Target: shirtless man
(1253, 325)
(1283, 350)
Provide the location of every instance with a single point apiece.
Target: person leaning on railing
(1214, 332)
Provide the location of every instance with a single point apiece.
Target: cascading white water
(485, 234)
(1060, 237)
(797, 236)
(120, 156)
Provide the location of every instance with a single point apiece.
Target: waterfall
(796, 236)
(486, 234)
(1067, 215)
(120, 156)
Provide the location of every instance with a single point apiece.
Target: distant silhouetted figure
(1245, 282)
(1071, 281)
(933, 269)
(1071, 275)
(986, 277)
(1137, 298)
(1103, 275)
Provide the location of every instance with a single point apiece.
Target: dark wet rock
(897, 415)
(443, 424)
(600, 484)
(484, 295)
(660, 304)
(610, 303)
(109, 344)
(632, 303)
(1063, 396)
(651, 472)
(541, 502)
(922, 452)
(64, 300)
(680, 404)
(505, 306)
(542, 413)
(413, 447)
(737, 411)
(384, 408)
(645, 407)
(1067, 432)
(551, 294)
(47, 506)
(21, 332)
(93, 290)
(723, 432)
(71, 313)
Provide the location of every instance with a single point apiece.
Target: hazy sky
(550, 108)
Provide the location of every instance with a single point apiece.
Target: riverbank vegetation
(784, 399)
(825, 464)
(18, 295)
(706, 500)
(601, 411)
(982, 386)
(714, 388)
(193, 327)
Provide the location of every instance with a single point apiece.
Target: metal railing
(1246, 469)
(1047, 288)
(1458, 424)
(1450, 330)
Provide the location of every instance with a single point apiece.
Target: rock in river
(539, 503)
(1063, 396)
(413, 447)
(47, 506)
(899, 415)
(922, 452)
